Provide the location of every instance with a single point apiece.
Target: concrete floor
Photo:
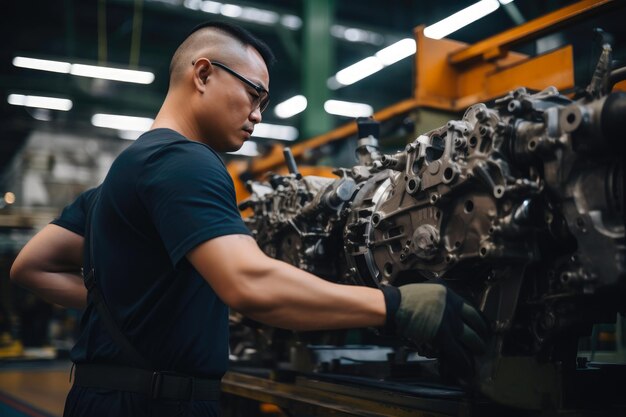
(41, 386)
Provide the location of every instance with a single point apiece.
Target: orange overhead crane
(451, 76)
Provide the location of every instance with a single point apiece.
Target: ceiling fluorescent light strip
(248, 149)
(129, 134)
(370, 65)
(351, 34)
(231, 10)
(348, 109)
(42, 64)
(41, 102)
(396, 52)
(120, 122)
(291, 21)
(248, 14)
(279, 132)
(461, 19)
(358, 71)
(406, 47)
(115, 74)
(92, 71)
(211, 7)
(290, 107)
(264, 17)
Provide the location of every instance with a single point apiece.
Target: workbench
(308, 394)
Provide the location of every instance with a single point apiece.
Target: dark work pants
(95, 402)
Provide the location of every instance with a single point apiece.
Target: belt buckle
(157, 383)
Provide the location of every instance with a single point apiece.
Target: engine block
(519, 207)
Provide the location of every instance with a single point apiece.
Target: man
(170, 253)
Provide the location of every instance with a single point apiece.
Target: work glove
(432, 314)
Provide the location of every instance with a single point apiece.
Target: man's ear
(202, 70)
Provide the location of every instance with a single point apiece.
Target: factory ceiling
(142, 35)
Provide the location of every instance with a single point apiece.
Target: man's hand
(433, 314)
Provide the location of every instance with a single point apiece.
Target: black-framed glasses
(261, 100)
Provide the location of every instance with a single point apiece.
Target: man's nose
(255, 116)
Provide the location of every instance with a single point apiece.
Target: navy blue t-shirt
(74, 216)
(163, 196)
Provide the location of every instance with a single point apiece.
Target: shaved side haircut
(191, 44)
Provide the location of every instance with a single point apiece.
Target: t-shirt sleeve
(73, 217)
(190, 198)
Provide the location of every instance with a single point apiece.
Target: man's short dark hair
(237, 33)
(242, 35)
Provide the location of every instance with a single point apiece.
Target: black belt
(166, 385)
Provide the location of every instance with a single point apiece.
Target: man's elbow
(250, 294)
(19, 273)
(248, 304)
(25, 270)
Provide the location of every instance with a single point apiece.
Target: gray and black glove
(433, 314)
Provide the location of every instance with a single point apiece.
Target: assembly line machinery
(518, 205)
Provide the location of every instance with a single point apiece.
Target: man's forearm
(49, 265)
(285, 296)
(279, 294)
(63, 288)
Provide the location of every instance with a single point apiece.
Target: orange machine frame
(451, 75)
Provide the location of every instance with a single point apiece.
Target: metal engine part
(518, 207)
